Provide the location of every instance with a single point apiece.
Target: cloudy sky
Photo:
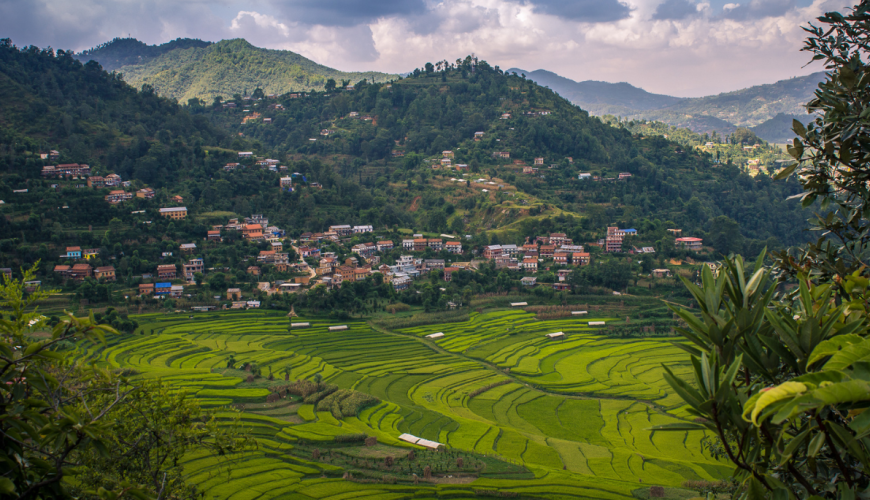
(676, 47)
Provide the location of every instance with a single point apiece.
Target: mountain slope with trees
(370, 151)
(758, 107)
(600, 98)
(129, 51)
(191, 70)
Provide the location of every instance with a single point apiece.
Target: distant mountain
(779, 128)
(747, 107)
(127, 51)
(185, 69)
(600, 98)
(767, 109)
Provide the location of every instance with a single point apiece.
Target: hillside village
(278, 263)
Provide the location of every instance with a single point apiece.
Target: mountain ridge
(763, 108)
(192, 69)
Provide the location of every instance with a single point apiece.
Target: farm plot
(493, 386)
(582, 363)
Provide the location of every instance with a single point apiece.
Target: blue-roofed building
(162, 288)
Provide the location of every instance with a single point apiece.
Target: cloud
(757, 9)
(586, 11)
(346, 12)
(672, 10)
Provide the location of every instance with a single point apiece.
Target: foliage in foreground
(69, 430)
(784, 383)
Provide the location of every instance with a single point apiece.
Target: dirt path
(415, 204)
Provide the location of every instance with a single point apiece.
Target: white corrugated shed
(556, 335)
(300, 325)
(337, 328)
(578, 313)
(409, 438)
(435, 335)
(519, 304)
(429, 444)
(596, 323)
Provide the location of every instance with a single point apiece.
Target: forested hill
(761, 107)
(600, 98)
(204, 71)
(53, 101)
(129, 51)
(390, 139)
(376, 152)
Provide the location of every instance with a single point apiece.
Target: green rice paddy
(573, 413)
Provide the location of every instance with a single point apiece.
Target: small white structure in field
(300, 325)
(556, 335)
(435, 335)
(578, 313)
(408, 438)
(337, 328)
(519, 304)
(429, 444)
(596, 323)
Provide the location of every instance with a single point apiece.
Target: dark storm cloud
(671, 10)
(346, 12)
(79, 25)
(758, 9)
(587, 11)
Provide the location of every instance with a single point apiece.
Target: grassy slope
(231, 66)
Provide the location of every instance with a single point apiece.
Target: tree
(780, 384)
(330, 85)
(725, 235)
(782, 381)
(60, 419)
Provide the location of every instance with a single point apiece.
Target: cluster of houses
(78, 271)
(81, 171)
(556, 246)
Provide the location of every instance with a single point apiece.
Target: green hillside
(374, 168)
(233, 67)
(129, 51)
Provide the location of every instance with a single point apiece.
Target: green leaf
(771, 395)
(7, 487)
(848, 355)
(815, 444)
(786, 172)
(799, 128)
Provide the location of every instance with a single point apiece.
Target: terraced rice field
(574, 412)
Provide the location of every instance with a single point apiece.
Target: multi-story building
(491, 251)
(613, 243)
(105, 273)
(192, 267)
(79, 272)
(386, 246)
(435, 244)
(530, 264)
(453, 247)
(690, 243)
(166, 271)
(175, 213)
(342, 230)
(580, 259)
